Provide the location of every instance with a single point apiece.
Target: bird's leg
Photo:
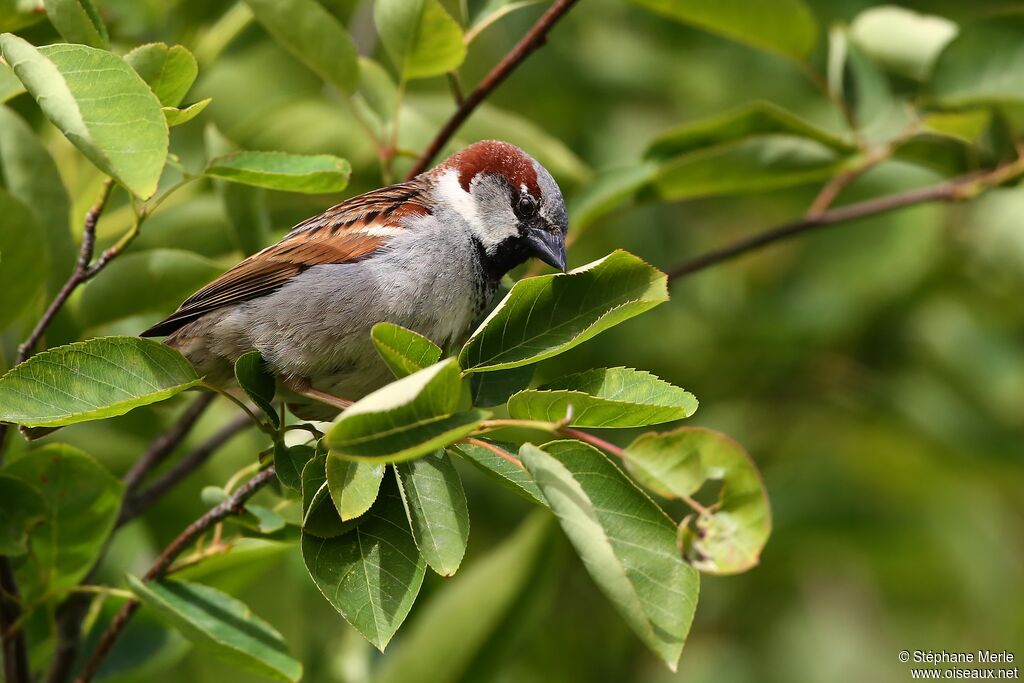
(303, 387)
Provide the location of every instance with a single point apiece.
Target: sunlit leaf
(676, 464)
(91, 380)
(100, 104)
(169, 71)
(310, 173)
(77, 21)
(626, 542)
(403, 350)
(176, 117)
(783, 26)
(547, 315)
(457, 622)
(407, 418)
(25, 260)
(901, 39)
(420, 36)
(373, 574)
(435, 503)
(220, 624)
(353, 485)
(503, 470)
(313, 35)
(605, 397)
(23, 509)
(82, 500)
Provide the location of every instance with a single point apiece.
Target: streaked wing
(345, 233)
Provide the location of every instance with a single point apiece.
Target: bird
(427, 254)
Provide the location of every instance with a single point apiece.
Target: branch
(231, 506)
(964, 187)
(162, 446)
(135, 505)
(533, 39)
(15, 651)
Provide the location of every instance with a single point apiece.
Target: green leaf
(169, 71)
(584, 302)
(457, 622)
(82, 501)
(30, 174)
(786, 27)
(309, 173)
(246, 209)
(319, 516)
(626, 542)
(258, 383)
(984, 64)
(749, 120)
(289, 463)
(10, 86)
(313, 35)
(435, 504)
(491, 13)
(757, 164)
(372, 575)
(25, 260)
(607, 191)
(403, 350)
(605, 397)
(220, 624)
(503, 470)
(77, 21)
(408, 418)
(92, 380)
(23, 509)
(676, 464)
(353, 485)
(100, 104)
(902, 40)
(176, 117)
(147, 281)
(420, 36)
(495, 388)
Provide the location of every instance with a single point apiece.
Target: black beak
(548, 246)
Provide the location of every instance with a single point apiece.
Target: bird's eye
(525, 206)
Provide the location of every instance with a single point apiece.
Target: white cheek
(459, 200)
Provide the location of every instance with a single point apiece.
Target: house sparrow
(426, 254)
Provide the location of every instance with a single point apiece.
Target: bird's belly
(318, 326)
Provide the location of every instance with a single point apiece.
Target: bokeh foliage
(874, 371)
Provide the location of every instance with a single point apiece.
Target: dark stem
(533, 39)
(15, 651)
(142, 500)
(960, 188)
(165, 443)
(231, 506)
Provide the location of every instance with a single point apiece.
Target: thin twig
(963, 187)
(162, 446)
(15, 650)
(455, 83)
(533, 39)
(135, 505)
(231, 506)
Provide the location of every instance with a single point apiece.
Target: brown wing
(345, 233)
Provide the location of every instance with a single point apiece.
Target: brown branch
(135, 505)
(963, 187)
(533, 39)
(231, 506)
(15, 651)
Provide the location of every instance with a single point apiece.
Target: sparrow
(427, 254)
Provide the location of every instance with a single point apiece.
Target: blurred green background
(875, 371)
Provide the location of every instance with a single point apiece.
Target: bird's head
(510, 202)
